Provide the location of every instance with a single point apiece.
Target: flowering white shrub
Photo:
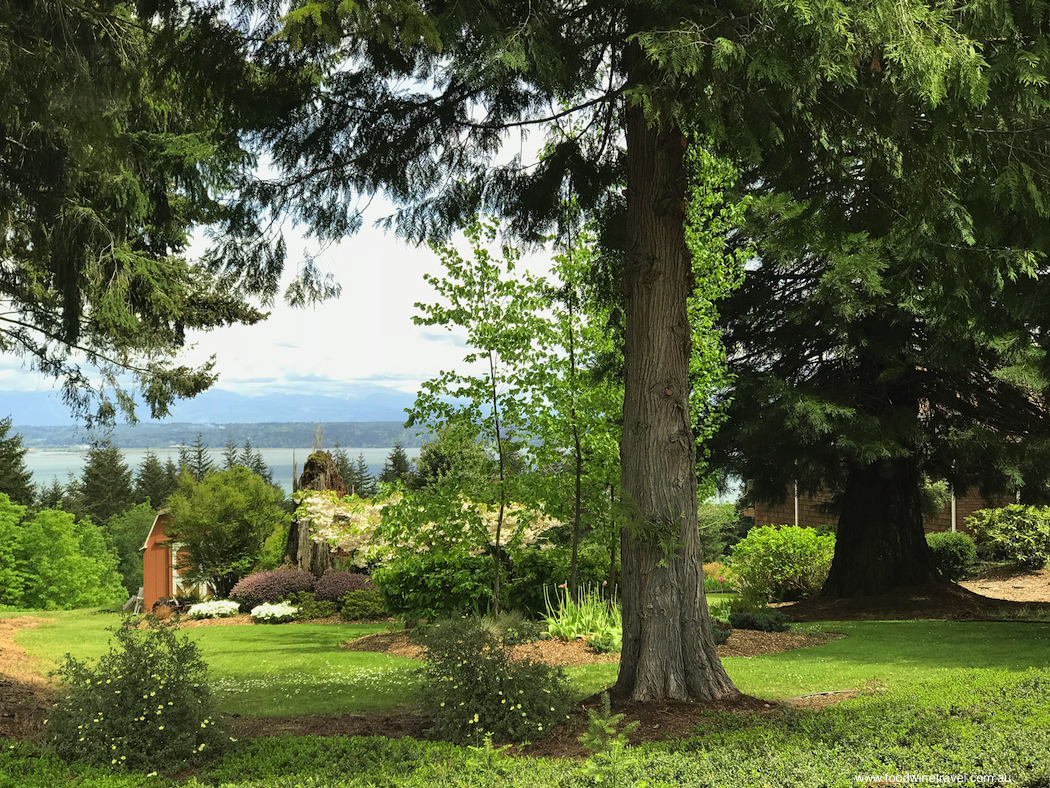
(280, 613)
(216, 608)
(354, 525)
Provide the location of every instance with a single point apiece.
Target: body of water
(47, 465)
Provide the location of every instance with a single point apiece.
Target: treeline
(274, 435)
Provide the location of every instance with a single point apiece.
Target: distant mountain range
(217, 406)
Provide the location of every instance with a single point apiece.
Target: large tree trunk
(880, 542)
(668, 650)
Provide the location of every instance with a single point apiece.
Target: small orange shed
(160, 579)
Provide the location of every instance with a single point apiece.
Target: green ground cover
(972, 726)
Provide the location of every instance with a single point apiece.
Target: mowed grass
(256, 670)
(300, 668)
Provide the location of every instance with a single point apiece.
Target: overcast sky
(365, 337)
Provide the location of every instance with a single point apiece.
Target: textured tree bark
(880, 542)
(668, 651)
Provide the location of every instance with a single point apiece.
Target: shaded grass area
(987, 724)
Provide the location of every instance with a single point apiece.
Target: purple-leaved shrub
(271, 587)
(333, 586)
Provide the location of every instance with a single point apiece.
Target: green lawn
(300, 669)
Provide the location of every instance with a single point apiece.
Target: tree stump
(319, 473)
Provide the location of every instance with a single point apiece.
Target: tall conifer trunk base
(668, 651)
(880, 543)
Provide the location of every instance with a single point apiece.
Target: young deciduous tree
(222, 523)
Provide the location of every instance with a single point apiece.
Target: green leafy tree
(66, 563)
(126, 533)
(12, 580)
(153, 482)
(105, 483)
(418, 102)
(397, 468)
(15, 478)
(455, 453)
(116, 143)
(222, 523)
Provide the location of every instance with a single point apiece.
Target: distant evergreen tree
(397, 466)
(229, 454)
(345, 468)
(15, 480)
(51, 496)
(364, 479)
(196, 459)
(105, 483)
(171, 476)
(253, 461)
(153, 483)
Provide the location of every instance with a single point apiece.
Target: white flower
(275, 614)
(216, 608)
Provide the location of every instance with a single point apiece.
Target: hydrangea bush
(281, 613)
(271, 587)
(215, 608)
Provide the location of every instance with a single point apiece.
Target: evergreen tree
(891, 326)
(116, 143)
(105, 487)
(397, 468)
(51, 496)
(346, 469)
(364, 479)
(253, 461)
(153, 483)
(171, 477)
(229, 454)
(196, 459)
(15, 480)
(419, 107)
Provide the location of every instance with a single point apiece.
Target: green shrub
(743, 615)
(1014, 533)
(433, 586)
(471, 686)
(144, 706)
(514, 628)
(311, 607)
(531, 570)
(954, 553)
(720, 631)
(782, 564)
(362, 606)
